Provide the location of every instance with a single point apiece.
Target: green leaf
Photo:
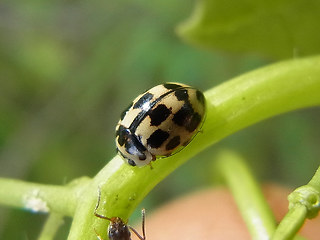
(276, 28)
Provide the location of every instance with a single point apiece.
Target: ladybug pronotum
(159, 122)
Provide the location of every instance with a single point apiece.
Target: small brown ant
(118, 229)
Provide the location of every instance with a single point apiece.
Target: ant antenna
(143, 213)
(97, 206)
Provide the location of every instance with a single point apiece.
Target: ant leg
(150, 165)
(136, 233)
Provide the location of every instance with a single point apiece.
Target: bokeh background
(69, 68)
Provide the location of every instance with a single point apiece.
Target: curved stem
(315, 181)
(37, 197)
(304, 202)
(54, 221)
(231, 106)
(249, 198)
(290, 225)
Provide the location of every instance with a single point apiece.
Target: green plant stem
(232, 106)
(51, 227)
(292, 222)
(40, 197)
(315, 181)
(247, 194)
(304, 202)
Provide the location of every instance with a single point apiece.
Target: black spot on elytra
(182, 117)
(123, 114)
(186, 117)
(173, 143)
(200, 97)
(182, 95)
(145, 98)
(171, 85)
(159, 114)
(132, 145)
(194, 122)
(122, 134)
(157, 138)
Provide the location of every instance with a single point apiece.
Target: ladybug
(118, 229)
(159, 123)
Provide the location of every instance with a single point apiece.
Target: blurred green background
(69, 68)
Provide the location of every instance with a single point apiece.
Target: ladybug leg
(150, 165)
(153, 159)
